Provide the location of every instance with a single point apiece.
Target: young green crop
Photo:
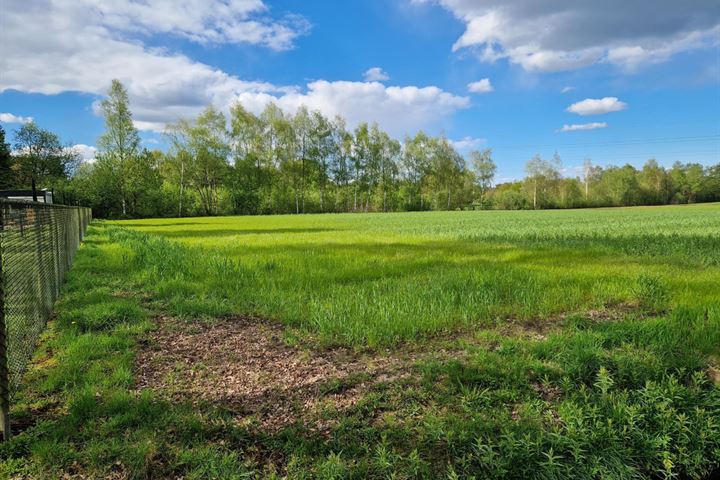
(378, 279)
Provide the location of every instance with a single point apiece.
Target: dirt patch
(615, 312)
(244, 365)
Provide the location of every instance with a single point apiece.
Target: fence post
(4, 371)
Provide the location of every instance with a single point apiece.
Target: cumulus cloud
(10, 118)
(59, 46)
(597, 106)
(583, 126)
(467, 143)
(376, 74)
(553, 36)
(398, 109)
(85, 152)
(481, 86)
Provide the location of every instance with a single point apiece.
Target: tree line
(302, 163)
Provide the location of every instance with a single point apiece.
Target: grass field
(548, 344)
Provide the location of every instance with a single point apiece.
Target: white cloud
(58, 46)
(481, 86)
(85, 152)
(583, 126)
(376, 74)
(467, 143)
(201, 21)
(10, 118)
(399, 110)
(567, 89)
(597, 106)
(553, 36)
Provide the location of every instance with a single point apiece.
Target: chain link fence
(37, 245)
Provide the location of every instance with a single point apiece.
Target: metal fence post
(4, 371)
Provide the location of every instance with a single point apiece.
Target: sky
(616, 81)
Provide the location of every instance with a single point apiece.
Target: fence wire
(37, 244)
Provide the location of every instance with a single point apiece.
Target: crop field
(488, 344)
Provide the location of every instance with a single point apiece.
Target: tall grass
(378, 279)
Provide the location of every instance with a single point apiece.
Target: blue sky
(644, 77)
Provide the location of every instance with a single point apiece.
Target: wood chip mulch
(244, 365)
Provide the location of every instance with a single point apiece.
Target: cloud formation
(85, 152)
(398, 109)
(10, 118)
(376, 74)
(597, 106)
(553, 36)
(583, 126)
(467, 143)
(481, 86)
(85, 44)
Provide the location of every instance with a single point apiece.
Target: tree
(446, 167)
(360, 160)
(340, 168)
(485, 169)
(41, 157)
(301, 127)
(415, 166)
(203, 146)
(250, 174)
(587, 173)
(540, 174)
(120, 143)
(653, 180)
(6, 173)
(620, 185)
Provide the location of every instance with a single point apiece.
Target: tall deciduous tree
(120, 143)
(40, 157)
(415, 166)
(205, 150)
(540, 176)
(485, 169)
(446, 167)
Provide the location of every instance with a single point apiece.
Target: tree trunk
(302, 182)
(34, 189)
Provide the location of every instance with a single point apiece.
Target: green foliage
(548, 354)
(41, 159)
(276, 163)
(6, 174)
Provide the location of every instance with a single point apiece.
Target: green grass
(615, 385)
(378, 279)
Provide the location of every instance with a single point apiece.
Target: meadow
(489, 344)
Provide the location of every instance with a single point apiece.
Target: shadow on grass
(184, 234)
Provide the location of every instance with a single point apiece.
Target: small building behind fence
(43, 196)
